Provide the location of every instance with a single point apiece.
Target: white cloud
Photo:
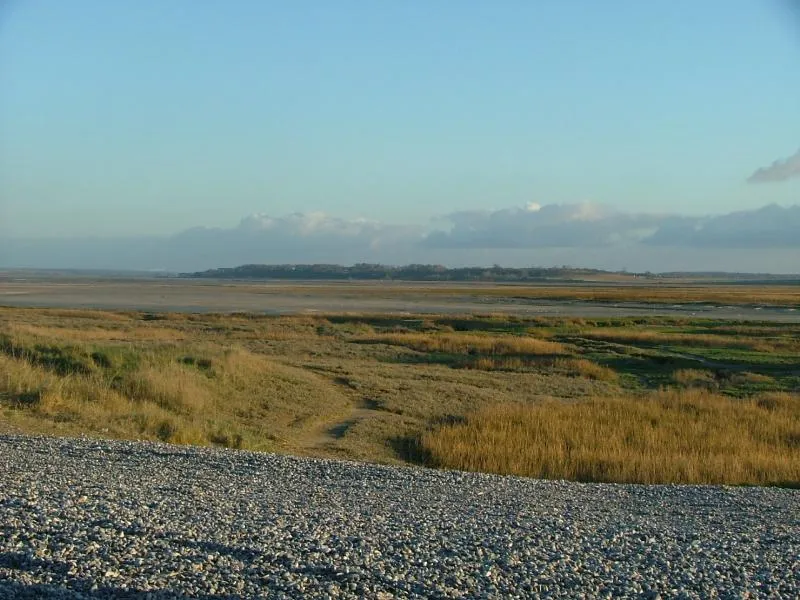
(769, 227)
(314, 224)
(589, 225)
(551, 225)
(780, 170)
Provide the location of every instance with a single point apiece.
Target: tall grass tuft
(582, 367)
(688, 436)
(454, 343)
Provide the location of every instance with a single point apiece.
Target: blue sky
(150, 117)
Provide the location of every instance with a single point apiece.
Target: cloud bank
(552, 225)
(768, 227)
(780, 170)
(593, 226)
(767, 239)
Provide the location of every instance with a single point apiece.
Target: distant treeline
(372, 272)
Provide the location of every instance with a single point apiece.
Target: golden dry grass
(458, 343)
(226, 396)
(694, 377)
(90, 314)
(581, 367)
(747, 377)
(785, 295)
(497, 363)
(573, 367)
(638, 336)
(98, 334)
(660, 293)
(364, 387)
(670, 437)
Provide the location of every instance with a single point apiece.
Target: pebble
(82, 518)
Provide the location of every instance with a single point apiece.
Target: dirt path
(327, 435)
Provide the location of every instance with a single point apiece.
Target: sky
(151, 118)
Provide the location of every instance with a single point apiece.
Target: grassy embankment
(657, 400)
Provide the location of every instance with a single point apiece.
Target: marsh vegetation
(636, 400)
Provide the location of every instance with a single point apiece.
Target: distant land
(496, 273)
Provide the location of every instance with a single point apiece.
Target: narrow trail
(325, 436)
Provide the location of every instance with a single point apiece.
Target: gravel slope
(100, 519)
